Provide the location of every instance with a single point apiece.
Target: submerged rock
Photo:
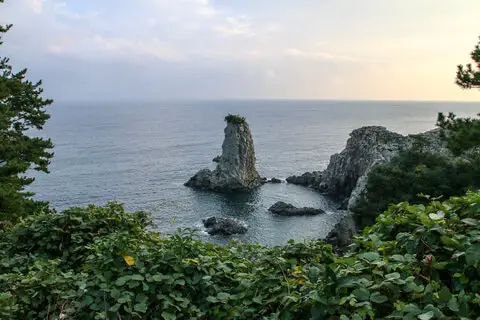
(285, 209)
(223, 226)
(236, 168)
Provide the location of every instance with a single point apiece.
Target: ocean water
(140, 154)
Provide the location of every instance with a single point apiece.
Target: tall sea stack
(236, 168)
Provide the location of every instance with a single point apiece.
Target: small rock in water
(217, 159)
(285, 209)
(308, 179)
(223, 226)
(275, 180)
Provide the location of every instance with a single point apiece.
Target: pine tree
(22, 109)
(468, 77)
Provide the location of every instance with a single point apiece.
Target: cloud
(61, 9)
(219, 48)
(36, 6)
(296, 53)
(236, 26)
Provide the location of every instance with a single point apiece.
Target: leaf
(412, 309)
(138, 277)
(313, 274)
(449, 242)
(392, 276)
(122, 280)
(370, 256)
(426, 316)
(472, 255)
(168, 316)
(222, 296)
(470, 221)
(89, 300)
(129, 260)
(435, 217)
(377, 297)
(362, 294)
(453, 304)
(140, 307)
(444, 294)
(397, 257)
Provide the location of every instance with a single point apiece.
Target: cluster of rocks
(273, 180)
(285, 209)
(345, 178)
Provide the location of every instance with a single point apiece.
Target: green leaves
(370, 256)
(362, 294)
(426, 316)
(400, 268)
(377, 297)
(472, 255)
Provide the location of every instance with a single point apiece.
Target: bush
(235, 119)
(414, 172)
(460, 134)
(416, 262)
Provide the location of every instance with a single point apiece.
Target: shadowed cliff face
(236, 168)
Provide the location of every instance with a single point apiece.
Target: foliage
(413, 172)
(460, 134)
(469, 76)
(21, 110)
(235, 119)
(416, 262)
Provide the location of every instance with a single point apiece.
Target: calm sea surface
(140, 154)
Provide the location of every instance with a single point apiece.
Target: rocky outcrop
(284, 209)
(342, 233)
(308, 179)
(223, 226)
(217, 159)
(236, 168)
(345, 178)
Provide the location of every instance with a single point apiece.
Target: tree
(22, 109)
(468, 77)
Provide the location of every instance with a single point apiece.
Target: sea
(141, 153)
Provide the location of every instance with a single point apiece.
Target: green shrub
(235, 119)
(460, 134)
(414, 172)
(416, 262)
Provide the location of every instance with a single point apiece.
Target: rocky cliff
(236, 167)
(345, 178)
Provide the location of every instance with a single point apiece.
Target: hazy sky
(207, 49)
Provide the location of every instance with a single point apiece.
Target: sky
(86, 50)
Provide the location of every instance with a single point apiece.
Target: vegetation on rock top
(235, 119)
